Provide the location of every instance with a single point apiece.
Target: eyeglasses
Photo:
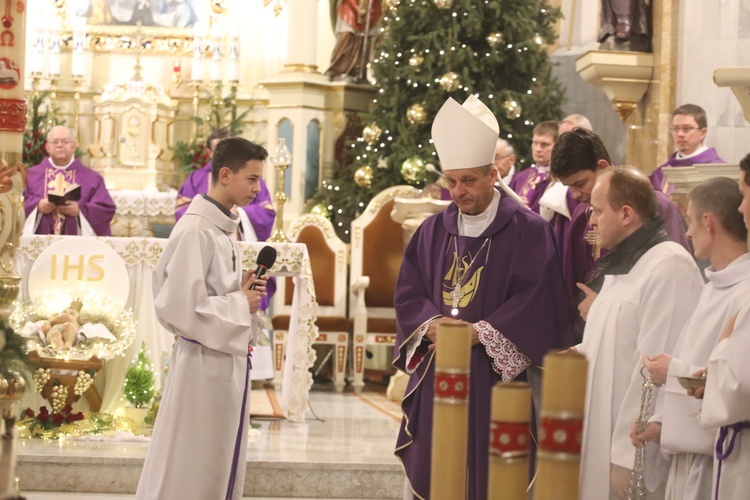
(64, 142)
(684, 130)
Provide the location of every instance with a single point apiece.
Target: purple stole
(657, 176)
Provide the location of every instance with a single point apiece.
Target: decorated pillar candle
(233, 55)
(450, 423)
(216, 56)
(36, 58)
(79, 38)
(55, 42)
(509, 441)
(561, 427)
(12, 102)
(197, 71)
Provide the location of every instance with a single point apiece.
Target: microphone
(266, 258)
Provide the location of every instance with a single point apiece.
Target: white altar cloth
(140, 256)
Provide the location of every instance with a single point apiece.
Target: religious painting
(150, 13)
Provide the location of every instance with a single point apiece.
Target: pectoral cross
(592, 238)
(456, 295)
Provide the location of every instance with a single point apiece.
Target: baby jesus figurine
(63, 330)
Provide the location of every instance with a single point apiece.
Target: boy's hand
(253, 296)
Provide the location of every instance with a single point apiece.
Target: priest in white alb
(649, 288)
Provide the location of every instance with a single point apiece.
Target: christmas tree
(431, 50)
(139, 380)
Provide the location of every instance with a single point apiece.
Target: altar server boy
(198, 448)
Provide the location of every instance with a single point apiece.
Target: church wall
(713, 34)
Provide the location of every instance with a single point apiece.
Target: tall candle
(216, 41)
(197, 71)
(450, 421)
(233, 55)
(79, 38)
(54, 47)
(12, 99)
(509, 441)
(561, 426)
(36, 59)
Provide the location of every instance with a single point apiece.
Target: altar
(140, 256)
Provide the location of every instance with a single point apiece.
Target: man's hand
(698, 393)
(619, 481)
(657, 367)
(728, 328)
(585, 305)
(432, 330)
(46, 207)
(253, 296)
(70, 208)
(652, 434)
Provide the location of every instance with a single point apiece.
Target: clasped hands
(253, 296)
(432, 330)
(71, 208)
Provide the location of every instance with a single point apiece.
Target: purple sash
(720, 453)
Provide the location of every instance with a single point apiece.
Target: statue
(625, 25)
(60, 333)
(355, 23)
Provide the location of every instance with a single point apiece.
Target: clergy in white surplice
(649, 287)
(718, 234)
(199, 444)
(726, 403)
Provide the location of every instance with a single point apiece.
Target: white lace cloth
(131, 202)
(507, 359)
(141, 255)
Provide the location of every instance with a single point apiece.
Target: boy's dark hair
(220, 133)
(721, 197)
(698, 114)
(577, 150)
(745, 167)
(234, 153)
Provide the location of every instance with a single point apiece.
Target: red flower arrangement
(49, 420)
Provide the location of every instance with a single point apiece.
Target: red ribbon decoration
(452, 386)
(509, 439)
(558, 435)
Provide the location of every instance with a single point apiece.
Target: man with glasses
(505, 160)
(62, 195)
(688, 132)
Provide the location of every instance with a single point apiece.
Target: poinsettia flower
(58, 419)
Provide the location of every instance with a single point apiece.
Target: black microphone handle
(259, 272)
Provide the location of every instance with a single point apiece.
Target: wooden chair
(377, 247)
(328, 259)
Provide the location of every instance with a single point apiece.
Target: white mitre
(465, 136)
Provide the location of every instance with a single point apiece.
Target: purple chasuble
(530, 185)
(657, 176)
(513, 282)
(95, 205)
(260, 211)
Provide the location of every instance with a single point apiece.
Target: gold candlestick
(281, 159)
(76, 103)
(450, 420)
(196, 84)
(561, 426)
(509, 441)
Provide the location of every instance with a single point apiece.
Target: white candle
(54, 47)
(233, 56)
(216, 56)
(197, 72)
(79, 38)
(36, 61)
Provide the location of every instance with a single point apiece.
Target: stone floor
(346, 452)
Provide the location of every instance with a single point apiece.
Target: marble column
(301, 36)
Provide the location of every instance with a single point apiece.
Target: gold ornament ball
(371, 133)
(413, 169)
(363, 176)
(495, 39)
(450, 82)
(416, 114)
(443, 4)
(321, 210)
(392, 4)
(416, 60)
(512, 109)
